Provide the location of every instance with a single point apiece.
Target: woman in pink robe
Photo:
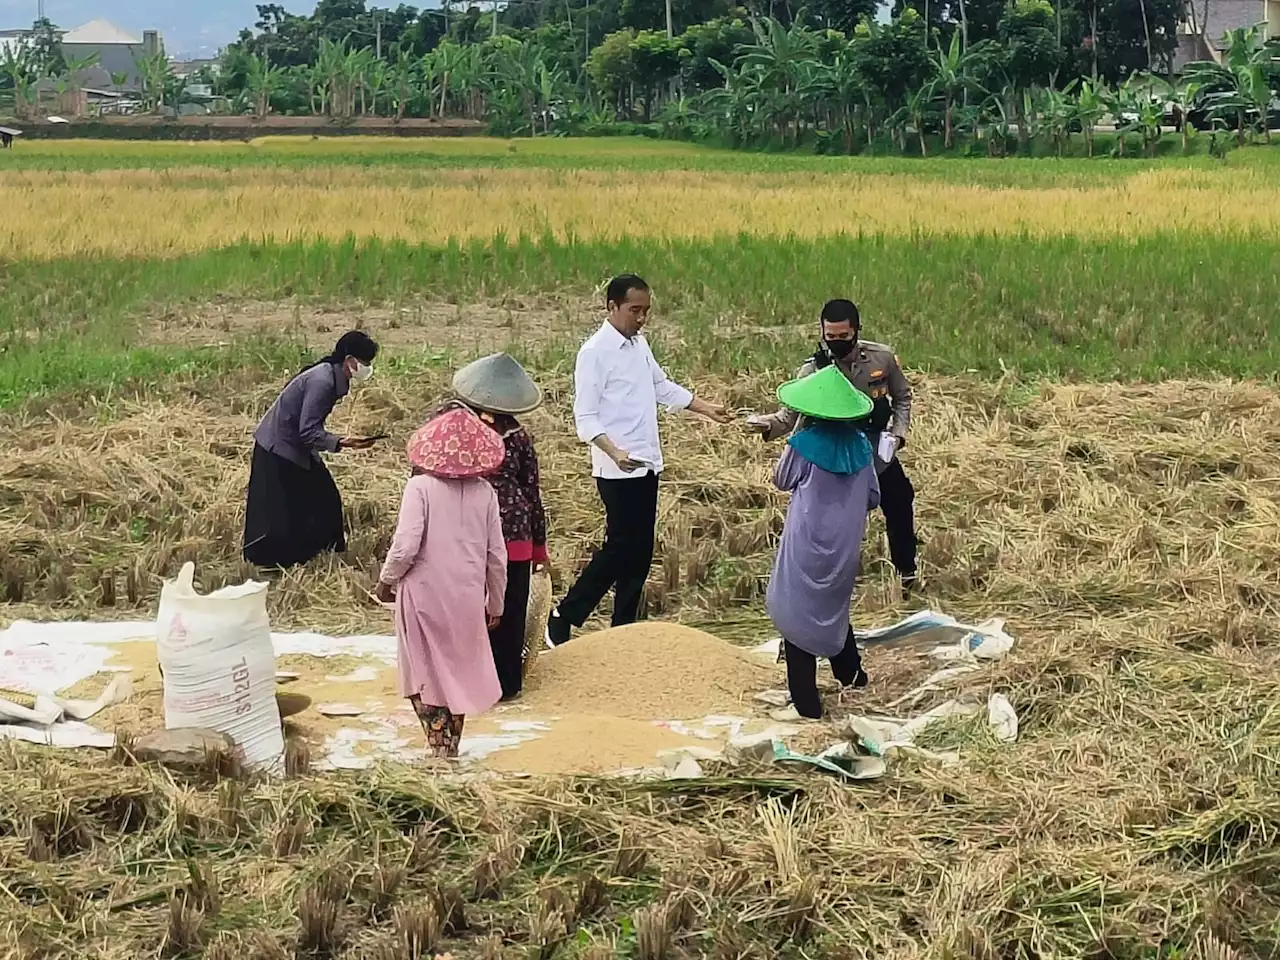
(447, 569)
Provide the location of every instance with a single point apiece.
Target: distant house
(1208, 21)
(13, 42)
(118, 54)
(183, 69)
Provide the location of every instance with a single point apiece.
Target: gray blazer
(294, 426)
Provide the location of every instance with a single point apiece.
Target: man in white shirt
(617, 388)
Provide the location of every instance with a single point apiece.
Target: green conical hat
(826, 395)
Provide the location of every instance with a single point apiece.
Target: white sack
(219, 665)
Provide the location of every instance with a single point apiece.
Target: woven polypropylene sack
(219, 665)
(535, 623)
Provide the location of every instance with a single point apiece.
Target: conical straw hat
(825, 395)
(497, 384)
(455, 445)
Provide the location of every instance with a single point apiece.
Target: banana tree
(846, 92)
(70, 89)
(732, 104)
(1237, 91)
(427, 73)
(1253, 63)
(1183, 98)
(777, 58)
(402, 82)
(995, 124)
(912, 114)
(1058, 112)
(1090, 107)
(447, 59)
(17, 68)
(157, 76)
(1119, 103)
(955, 75)
(262, 82)
(549, 81)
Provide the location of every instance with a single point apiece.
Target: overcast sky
(189, 26)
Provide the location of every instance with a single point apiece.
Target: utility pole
(377, 43)
(40, 10)
(495, 17)
(671, 33)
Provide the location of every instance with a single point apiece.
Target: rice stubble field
(1094, 448)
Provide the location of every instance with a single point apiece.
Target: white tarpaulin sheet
(43, 659)
(950, 639)
(46, 658)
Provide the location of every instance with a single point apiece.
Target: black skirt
(292, 513)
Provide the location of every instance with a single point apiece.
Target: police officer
(874, 369)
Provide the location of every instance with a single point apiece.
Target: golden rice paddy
(170, 212)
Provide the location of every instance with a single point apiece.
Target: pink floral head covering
(455, 445)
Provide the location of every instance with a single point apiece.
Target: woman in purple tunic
(829, 471)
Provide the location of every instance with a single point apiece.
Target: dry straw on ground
(1129, 533)
(165, 213)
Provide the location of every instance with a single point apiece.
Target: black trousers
(630, 515)
(507, 638)
(897, 503)
(802, 674)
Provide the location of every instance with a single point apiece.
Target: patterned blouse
(524, 522)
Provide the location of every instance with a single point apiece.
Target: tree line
(995, 76)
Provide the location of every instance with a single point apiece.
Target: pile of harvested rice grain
(646, 671)
(582, 744)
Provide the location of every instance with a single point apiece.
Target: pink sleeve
(496, 573)
(410, 529)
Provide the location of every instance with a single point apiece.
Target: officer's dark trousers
(630, 514)
(897, 503)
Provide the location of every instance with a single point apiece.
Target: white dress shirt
(617, 386)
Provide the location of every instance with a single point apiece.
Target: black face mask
(840, 348)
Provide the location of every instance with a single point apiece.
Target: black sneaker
(558, 630)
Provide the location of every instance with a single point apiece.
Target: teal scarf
(832, 446)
